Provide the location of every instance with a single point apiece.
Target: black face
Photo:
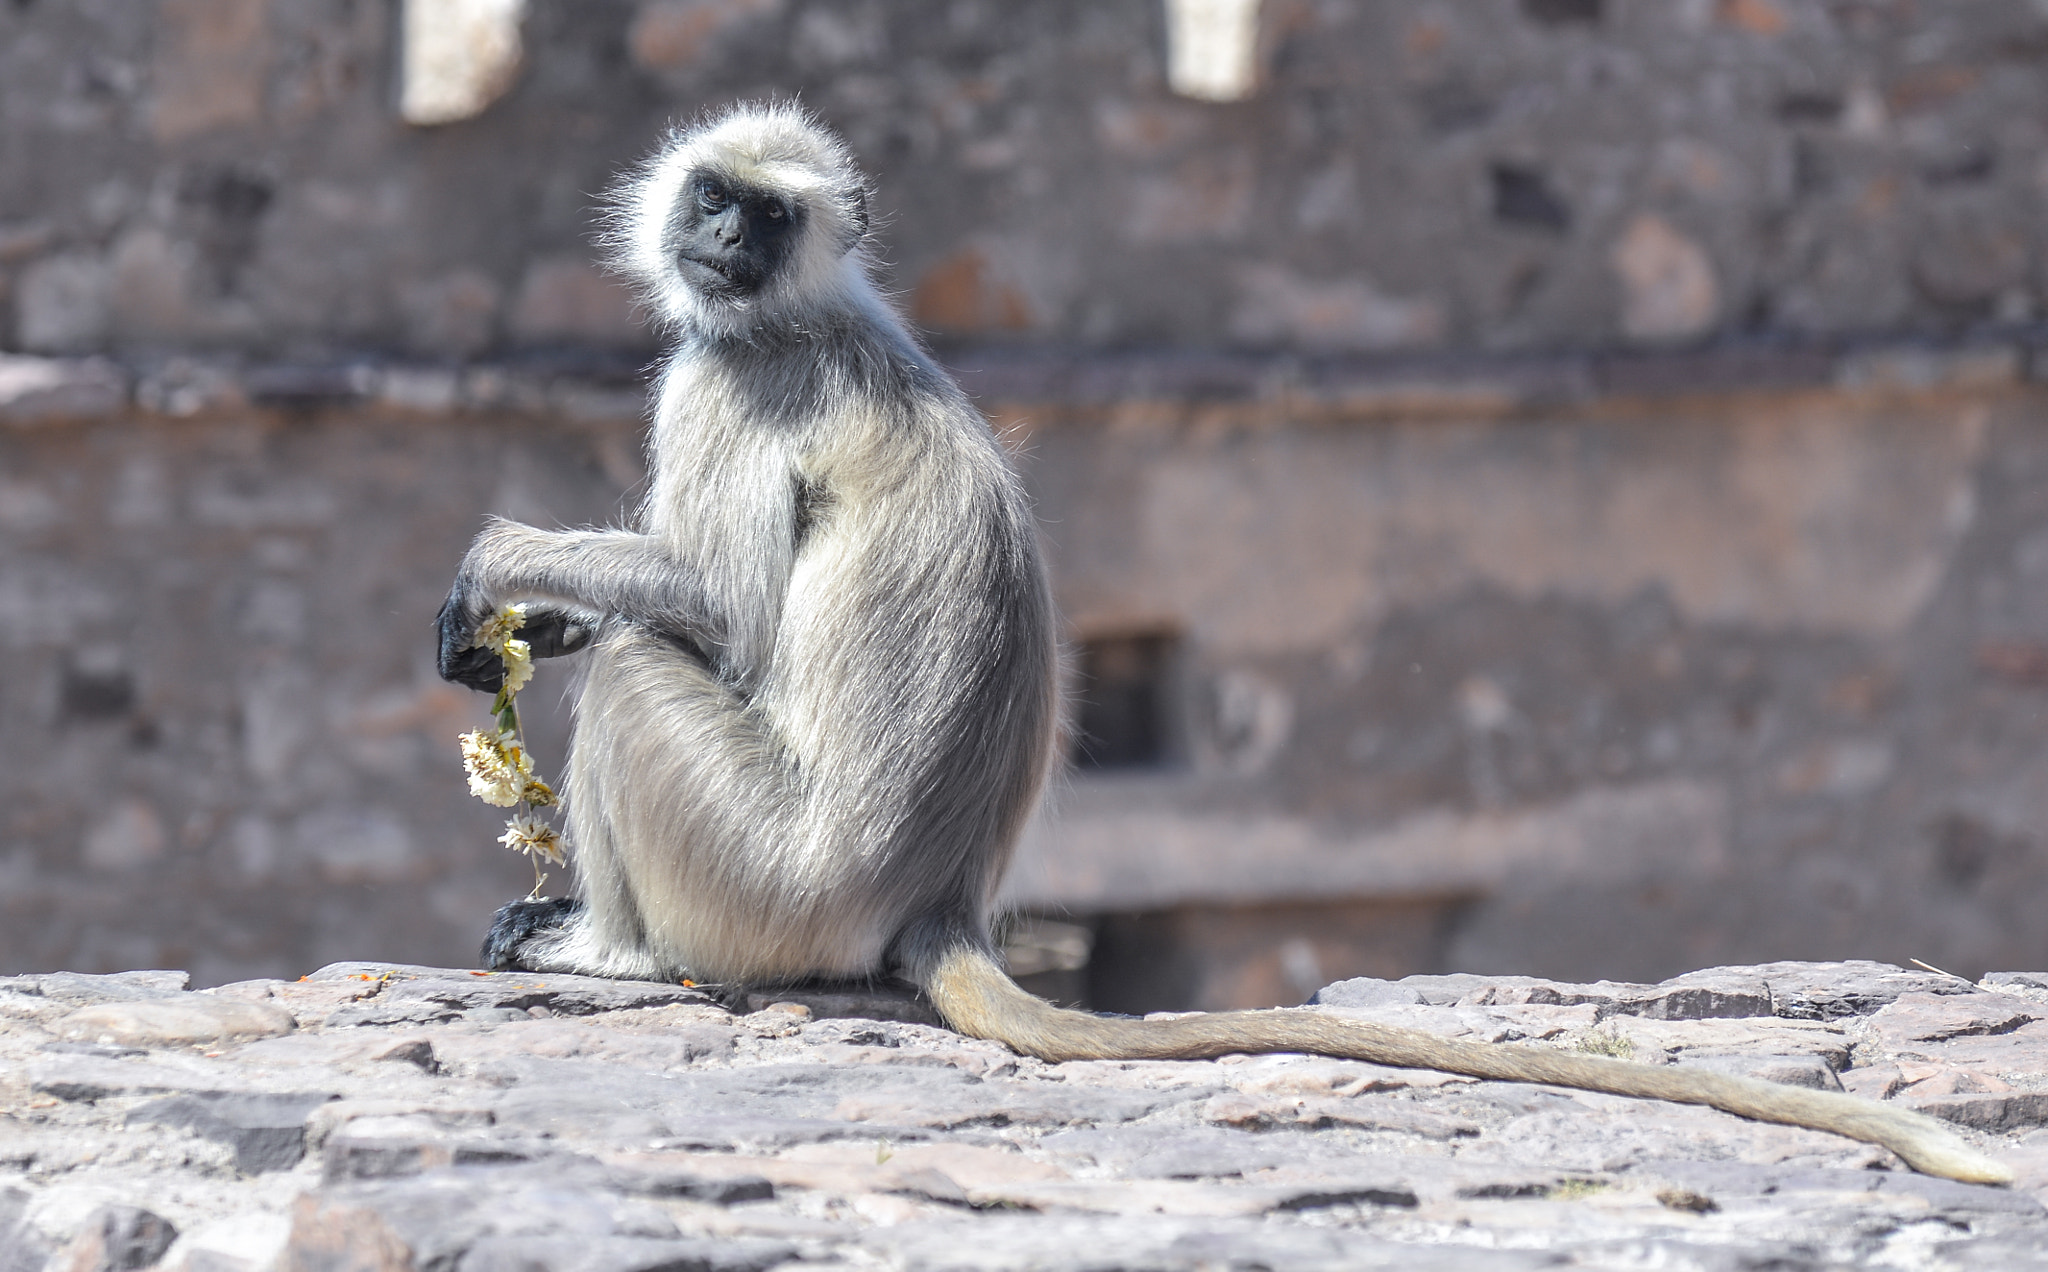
(729, 239)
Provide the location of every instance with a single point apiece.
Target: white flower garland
(500, 769)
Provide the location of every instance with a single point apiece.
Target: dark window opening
(1122, 718)
(1522, 196)
(1564, 12)
(1809, 108)
(90, 694)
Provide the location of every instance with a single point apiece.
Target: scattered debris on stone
(387, 1118)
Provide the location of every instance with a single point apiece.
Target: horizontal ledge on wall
(35, 390)
(1140, 848)
(1483, 384)
(47, 390)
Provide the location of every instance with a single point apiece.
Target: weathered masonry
(1556, 486)
(1584, 666)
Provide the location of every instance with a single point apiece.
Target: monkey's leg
(659, 759)
(597, 932)
(975, 996)
(693, 835)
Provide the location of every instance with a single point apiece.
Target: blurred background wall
(1554, 486)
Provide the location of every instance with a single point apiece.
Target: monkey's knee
(514, 925)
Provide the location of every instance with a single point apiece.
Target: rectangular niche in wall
(1124, 716)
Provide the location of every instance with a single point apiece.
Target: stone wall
(1406, 175)
(231, 748)
(1614, 683)
(1575, 468)
(1633, 681)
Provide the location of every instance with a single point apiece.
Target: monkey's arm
(577, 578)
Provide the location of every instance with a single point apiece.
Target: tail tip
(1964, 1165)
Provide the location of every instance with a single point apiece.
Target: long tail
(977, 998)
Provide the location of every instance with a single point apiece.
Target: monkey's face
(729, 239)
(755, 216)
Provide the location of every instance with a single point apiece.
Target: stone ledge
(1477, 384)
(41, 390)
(36, 390)
(398, 1117)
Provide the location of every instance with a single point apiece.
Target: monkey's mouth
(719, 277)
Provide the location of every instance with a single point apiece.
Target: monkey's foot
(732, 996)
(514, 925)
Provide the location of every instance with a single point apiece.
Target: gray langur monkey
(820, 697)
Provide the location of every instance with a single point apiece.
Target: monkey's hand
(458, 658)
(553, 633)
(550, 633)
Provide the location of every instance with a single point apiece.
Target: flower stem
(509, 722)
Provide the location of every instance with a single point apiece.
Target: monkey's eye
(711, 198)
(775, 212)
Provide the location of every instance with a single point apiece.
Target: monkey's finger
(455, 627)
(475, 668)
(554, 633)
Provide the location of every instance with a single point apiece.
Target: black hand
(548, 633)
(553, 633)
(458, 660)
(478, 668)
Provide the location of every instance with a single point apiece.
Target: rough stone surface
(561, 1124)
(169, 1022)
(1797, 991)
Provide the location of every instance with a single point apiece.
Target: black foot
(731, 997)
(516, 924)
